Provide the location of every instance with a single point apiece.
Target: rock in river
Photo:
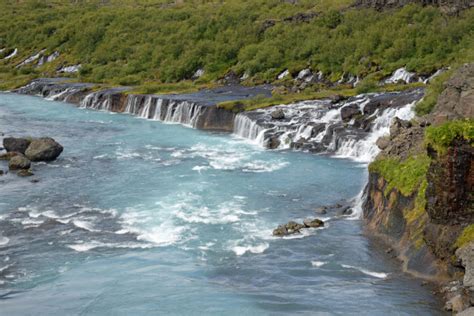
(43, 149)
(278, 114)
(294, 227)
(313, 223)
(16, 144)
(19, 162)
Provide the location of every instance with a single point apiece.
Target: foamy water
(139, 217)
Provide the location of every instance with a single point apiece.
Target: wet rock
(398, 125)
(25, 173)
(349, 112)
(16, 144)
(9, 155)
(383, 142)
(313, 223)
(2, 172)
(278, 114)
(34, 180)
(43, 149)
(288, 229)
(273, 143)
(19, 162)
(321, 210)
(280, 231)
(344, 211)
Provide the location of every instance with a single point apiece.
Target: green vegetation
(466, 236)
(406, 176)
(433, 91)
(440, 137)
(150, 42)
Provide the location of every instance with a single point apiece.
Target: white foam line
(379, 275)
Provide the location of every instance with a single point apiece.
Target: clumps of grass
(440, 137)
(434, 89)
(406, 176)
(466, 236)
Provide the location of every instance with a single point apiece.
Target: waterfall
(248, 128)
(317, 126)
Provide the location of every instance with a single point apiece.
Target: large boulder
(16, 144)
(313, 223)
(278, 114)
(349, 112)
(43, 149)
(19, 162)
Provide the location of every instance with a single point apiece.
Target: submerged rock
(43, 149)
(16, 144)
(313, 223)
(278, 114)
(19, 162)
(295, 228)
(25, 173)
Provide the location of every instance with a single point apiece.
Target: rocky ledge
(419, 198)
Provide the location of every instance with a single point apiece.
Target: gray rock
(466, 254)
(383, 142)
(455, 304)
(313, 223)
(43, 149)
(19, 162)
(9, 155)
(16, 144)
(467, 312)
(278, 114)
(349, 112)
(288, 229)
(273, 143)
(321, 210)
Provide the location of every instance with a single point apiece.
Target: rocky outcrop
(457, 99)
(449, 6)
(295, 228)
(16, 144)
(421, 200)
(43, 149)
(19, 162)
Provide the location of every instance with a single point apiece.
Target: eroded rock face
(466, 254)
(16, 144)
(19, 162)
(43, 149)
(450, 185)
(457, 100)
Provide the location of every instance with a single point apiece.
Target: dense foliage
(131, 42)
(441, 137)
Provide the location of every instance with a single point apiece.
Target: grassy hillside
(157, 41)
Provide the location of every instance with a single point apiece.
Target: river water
(139, 217)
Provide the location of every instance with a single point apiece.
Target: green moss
(405, 176)
(466, 236)
(440, 137)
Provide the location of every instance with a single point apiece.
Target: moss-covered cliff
(420, 193)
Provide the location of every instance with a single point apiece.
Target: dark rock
(349, 112)
(288, 229)
(301, 17)
(16, 144)
(34, 180)
(280, 231)
(450, 185)
(25, 173)
(278, 114)
(2, 172)
(273, 143)
(43, 149)
(19, 162)
(313, 223)
(344, 211)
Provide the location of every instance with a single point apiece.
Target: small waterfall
(318, 126)
(248, 128)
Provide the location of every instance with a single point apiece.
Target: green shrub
(440, 137)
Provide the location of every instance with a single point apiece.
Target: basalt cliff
(420, 196)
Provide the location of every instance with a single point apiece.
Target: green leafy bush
(440, 137)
